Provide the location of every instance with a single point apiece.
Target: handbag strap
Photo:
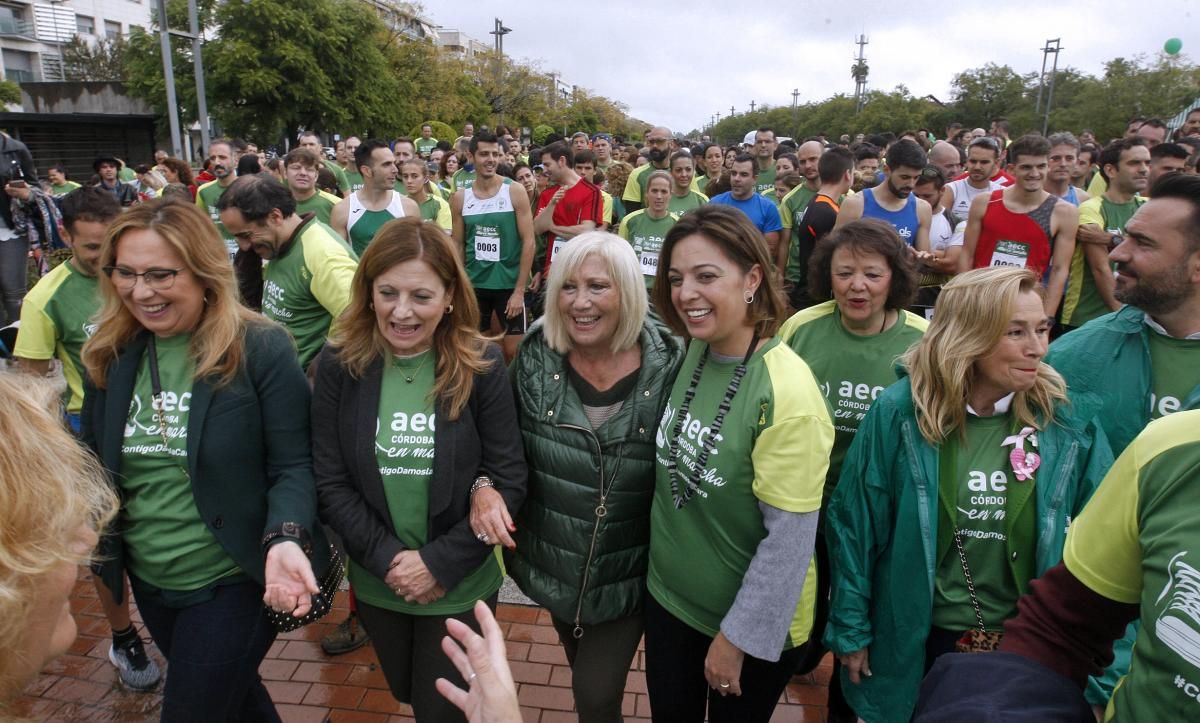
(962, 558)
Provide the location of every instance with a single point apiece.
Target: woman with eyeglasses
(741, 454)
(198, 410)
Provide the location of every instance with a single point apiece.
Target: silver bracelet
(480, 482)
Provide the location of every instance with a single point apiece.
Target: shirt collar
(1002, 405)
(1157, 327)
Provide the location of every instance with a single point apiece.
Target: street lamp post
(500, 31)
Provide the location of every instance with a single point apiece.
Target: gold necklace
(408, 378)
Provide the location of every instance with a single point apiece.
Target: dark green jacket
(584, 568)
(248, 450)
(884, 544)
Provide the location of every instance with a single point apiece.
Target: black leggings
(675, 678)
(409, 648)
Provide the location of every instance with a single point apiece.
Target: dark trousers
(599, 662)
(213, 650)
(675, 679)
(409, 648)
(14, 265)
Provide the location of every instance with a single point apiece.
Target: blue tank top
(904, 221)
(1071, 197)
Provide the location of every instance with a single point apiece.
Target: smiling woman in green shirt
(414, 415)
(199, 412)
(956, 491)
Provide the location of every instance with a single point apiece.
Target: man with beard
(893, 200)
(1126, 164)
(658, 143)
(221, 166)
(1024, 225)
(570, 206)
(764, 157)
(983, 160)
(946, 157)
(357, 217)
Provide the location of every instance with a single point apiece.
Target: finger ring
(482, 537)
(724, 685)
(471, 676)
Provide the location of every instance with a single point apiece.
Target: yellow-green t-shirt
(56, 321)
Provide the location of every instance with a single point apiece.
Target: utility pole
(795, 108)
(164, 36)
(1052, 48)
(201, 100)
(500, 31)
(860, 74)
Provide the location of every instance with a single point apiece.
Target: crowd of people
(749, 404)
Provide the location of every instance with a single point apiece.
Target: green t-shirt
(461, 179)
(646, 236)
(851, 370)
(307, 286)
(680, 205)
(425, 146)
(985, 495)
(491, 239)
(320, 203)
(355, 180)
(1082, 302)
(1174, 372)
(1137, 542)
(167, 544)
(126, 174)
(56, 320)
(62, 189)
(404, 451)
(436, 209)
(773, 447)
(339, 175)
(206, 198)
(765, 181)
(791, 210)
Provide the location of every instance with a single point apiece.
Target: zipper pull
(601, 510)
(577, 633)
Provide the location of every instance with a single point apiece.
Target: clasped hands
(408, 577)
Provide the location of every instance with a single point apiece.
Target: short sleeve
(791, 459)
(37, 335)
(1102, 548)
(1089, 213)
(771, 218)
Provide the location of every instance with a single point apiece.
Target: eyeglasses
(157, 279)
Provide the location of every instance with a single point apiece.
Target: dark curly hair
(872, 236)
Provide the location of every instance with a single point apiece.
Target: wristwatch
(293, 531)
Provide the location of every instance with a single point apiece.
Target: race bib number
(1010, 253)
(649, 261)
(487, 248)
(558, 244)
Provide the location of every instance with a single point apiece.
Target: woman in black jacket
(413, 414)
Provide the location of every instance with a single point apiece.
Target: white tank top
(357, 211)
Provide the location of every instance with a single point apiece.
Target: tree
(281, 65)
(102, 60)
(10, 93)
(993, 91)
(143, 68)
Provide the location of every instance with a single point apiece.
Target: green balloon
(1173, 46)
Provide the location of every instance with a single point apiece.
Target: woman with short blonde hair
(956, 491)
(591, 379)
(53, 502)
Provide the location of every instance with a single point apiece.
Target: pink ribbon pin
(1024, 464)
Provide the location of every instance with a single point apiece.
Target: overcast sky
(677, 64)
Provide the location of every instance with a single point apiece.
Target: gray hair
(626, 275)
(1064, 138)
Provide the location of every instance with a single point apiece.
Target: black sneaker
(136, 670)
(347, 636)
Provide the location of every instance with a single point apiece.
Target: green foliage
(103, 60)
(10, 93)
(540, 133)
(441, 131)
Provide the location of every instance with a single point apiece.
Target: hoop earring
(206, 299)
(748, 297)
(449, 308)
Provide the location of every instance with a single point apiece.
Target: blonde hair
(457, 342)
(972, 315)
(50, 486)
(622, 265)
(218, 341)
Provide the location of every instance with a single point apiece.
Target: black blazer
(248, 453)
(484, 439)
